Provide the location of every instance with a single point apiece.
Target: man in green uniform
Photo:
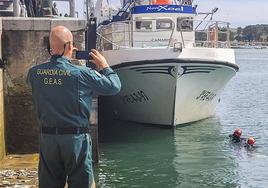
(62, 95)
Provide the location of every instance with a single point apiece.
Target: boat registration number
(206, 96)
(135, 97)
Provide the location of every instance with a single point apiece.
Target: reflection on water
(197, 155)
(133, 155)
(136, 156)
(202, 156)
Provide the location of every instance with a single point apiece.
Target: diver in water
(249, 145)
(237, 139)
(236, 136)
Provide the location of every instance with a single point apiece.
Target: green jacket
(62, 91)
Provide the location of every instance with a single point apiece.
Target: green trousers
(65, 158)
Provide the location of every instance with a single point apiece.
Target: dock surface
(19, 171)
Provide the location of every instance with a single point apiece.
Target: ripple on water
(199, 155)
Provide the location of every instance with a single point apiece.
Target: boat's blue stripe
(151, 70)
(155, 72)
(200, 66)
(200, 69)
(189, 72)
(145, 67)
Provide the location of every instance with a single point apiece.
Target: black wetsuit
(236, 139)
(249, 147)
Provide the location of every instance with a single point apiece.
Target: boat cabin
(160, 23)
(156, 23)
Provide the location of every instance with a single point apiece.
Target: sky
(239, 13)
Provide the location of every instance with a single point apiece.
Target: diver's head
(238, 132)
(251, 141)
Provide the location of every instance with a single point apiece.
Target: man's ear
(69, 46)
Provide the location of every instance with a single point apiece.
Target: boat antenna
(213, 12)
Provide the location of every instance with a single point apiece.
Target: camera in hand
(82, 55)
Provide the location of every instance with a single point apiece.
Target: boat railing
(145, 33)
(135, 34)
(211, 34)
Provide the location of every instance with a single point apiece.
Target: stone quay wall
(24, 44)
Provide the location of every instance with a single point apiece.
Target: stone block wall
(24, 45)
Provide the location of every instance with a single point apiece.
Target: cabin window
(164, 24)
(144, 25)
(142, 2)
(185, 24)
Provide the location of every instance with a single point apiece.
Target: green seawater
(199, 154)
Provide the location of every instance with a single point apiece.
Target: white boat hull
(169, 91)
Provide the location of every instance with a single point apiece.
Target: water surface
(199, 154)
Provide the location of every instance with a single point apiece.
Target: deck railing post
(216, 34)
(228, 35)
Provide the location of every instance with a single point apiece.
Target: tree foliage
(252, 33)
(258, 33)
